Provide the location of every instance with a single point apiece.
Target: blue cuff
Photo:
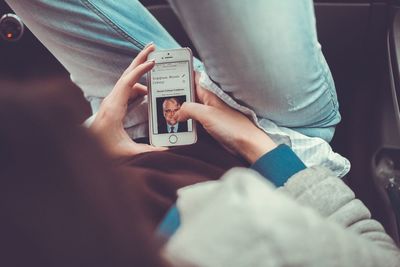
(279, 165)
(170, 223)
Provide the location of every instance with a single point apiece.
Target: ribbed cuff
(279, 165)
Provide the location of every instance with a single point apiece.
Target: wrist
(252, 147)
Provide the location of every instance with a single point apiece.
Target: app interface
(170, 85)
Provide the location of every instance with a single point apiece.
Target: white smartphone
(170, 83)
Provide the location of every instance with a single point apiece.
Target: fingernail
(149, 44)
(151, 61)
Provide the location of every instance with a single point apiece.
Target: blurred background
(361, 41)
(27, 66)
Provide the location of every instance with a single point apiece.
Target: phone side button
(173, 139)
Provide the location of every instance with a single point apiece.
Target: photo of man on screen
(168, 124)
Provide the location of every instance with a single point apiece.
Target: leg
(267, 56)
(96, 41)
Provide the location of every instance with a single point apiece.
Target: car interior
(361, 42)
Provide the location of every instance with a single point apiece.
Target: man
(170, 106)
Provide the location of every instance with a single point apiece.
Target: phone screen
(170, 85)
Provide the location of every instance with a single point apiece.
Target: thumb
(196, 111)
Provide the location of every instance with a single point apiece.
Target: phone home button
(173, 139)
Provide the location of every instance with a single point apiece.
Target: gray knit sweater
(242, 220)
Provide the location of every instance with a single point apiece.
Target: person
(85, 208)
(281, 81)
(303, 215)
(170, 107)
(239, 220)
(63, 203)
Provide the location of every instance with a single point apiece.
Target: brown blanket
(160, 174)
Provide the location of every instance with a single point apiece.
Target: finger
(141, 57)
(196, 111)
(123, 91)
(138, 90)
(132, 77)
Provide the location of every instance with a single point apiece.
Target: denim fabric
(265, 57)
(313, 151)
(95, 41)
(265, 54)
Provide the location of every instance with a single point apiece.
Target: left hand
(108, 124)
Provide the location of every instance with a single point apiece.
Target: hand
(230, 127)
(108, 124)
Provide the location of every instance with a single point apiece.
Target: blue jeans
(265, 55)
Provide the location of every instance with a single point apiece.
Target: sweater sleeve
(329, 196)
(277, 166)
(242, 220)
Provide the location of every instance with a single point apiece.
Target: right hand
(228, 126)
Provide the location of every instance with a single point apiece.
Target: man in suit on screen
(170, 106)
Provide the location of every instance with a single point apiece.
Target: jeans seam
(332, 96)
(329, 88)
(118, 29)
